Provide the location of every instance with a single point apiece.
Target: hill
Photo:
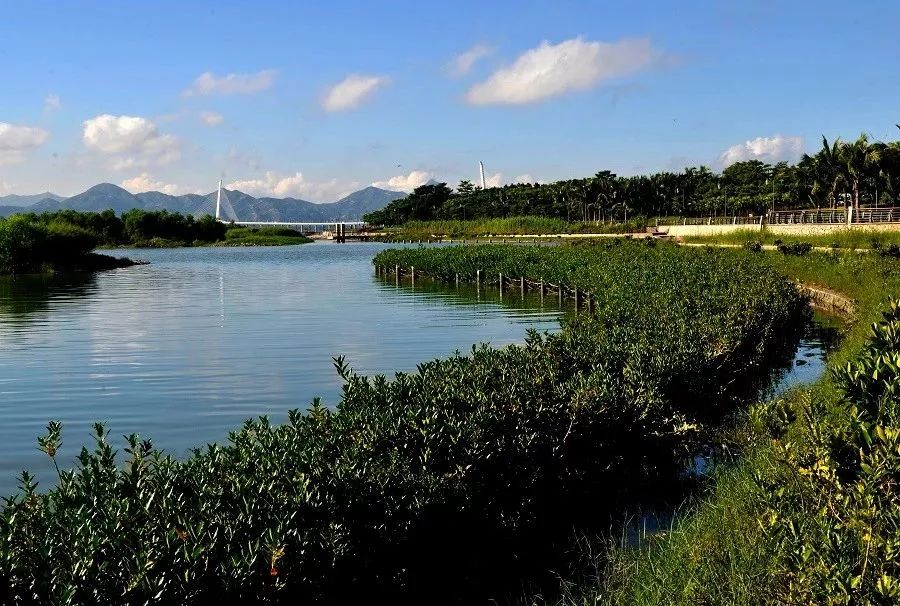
(246, 207)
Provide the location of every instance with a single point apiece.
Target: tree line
(64, 239)
(842, 173)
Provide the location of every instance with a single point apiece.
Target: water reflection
(183, 350)
(24, 297)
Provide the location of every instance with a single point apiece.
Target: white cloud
(130, 141)
(294, 186)
(525, 178)
(208, 83)
(463, 62)
(555, 69)
(210, 118)
(16, 141)
(766, 149)
(144, 182)
(352, 91)
(52, 102)
(405, 182)
(495, 180)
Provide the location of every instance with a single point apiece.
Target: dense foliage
(27, 245)
(808, 512)
(33, 242)
(470, 469)
(832, 504)
(860, 172)
(136, 227)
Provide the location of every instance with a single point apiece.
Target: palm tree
(827, 171)
(858, 160)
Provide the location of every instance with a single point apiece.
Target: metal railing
(835, 216)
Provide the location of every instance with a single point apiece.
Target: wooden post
(412, 274)
(478, 278)
(560, 293)
(522, 284)
(501, 286)
(542, 291)
(457, 280)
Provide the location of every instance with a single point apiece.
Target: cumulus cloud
(525, 178)
(52, 102)
(210, 118)
(144, 182)
(129, 141)
(463, 62)
(293, 186)
(17, 141)
(208, 83)
(555, 69)
(766, 149)
(405, 182)
(495, 180)
(352, 91)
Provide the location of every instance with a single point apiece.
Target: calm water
(183, 350)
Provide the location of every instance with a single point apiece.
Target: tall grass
(850, 239)
(510, 226)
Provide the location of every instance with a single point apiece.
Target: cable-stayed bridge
(226, 214)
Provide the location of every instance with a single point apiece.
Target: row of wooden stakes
(583, 299)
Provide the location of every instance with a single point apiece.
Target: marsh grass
(750, 539)
(510, 226)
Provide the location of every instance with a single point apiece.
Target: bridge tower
(219, 200)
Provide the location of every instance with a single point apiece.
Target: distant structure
(481, 167)
(218, 199)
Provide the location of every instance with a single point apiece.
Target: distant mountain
(17, 200)
(246, 208)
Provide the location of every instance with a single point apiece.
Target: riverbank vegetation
(31, 246)
(506, 226)
(846, 239)
(451, 483)
(808, 511)
(262, 236)
(859, 173)
(64, 239)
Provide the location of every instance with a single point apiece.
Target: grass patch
(510, 226)
(849, 239)
(262, 236)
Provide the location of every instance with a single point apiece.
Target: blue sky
(315, 100)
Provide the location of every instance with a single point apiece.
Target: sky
(317, 99)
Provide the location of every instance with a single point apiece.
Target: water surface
(186, 348)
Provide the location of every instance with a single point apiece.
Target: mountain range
(245, 207)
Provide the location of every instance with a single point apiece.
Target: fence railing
(824, 216)
(835, 216)
(733, 220)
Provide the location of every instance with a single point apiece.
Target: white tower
(481, 167)
(218, 200)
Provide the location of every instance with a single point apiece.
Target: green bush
(795, 248)
(832, 504)
(753, 246)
